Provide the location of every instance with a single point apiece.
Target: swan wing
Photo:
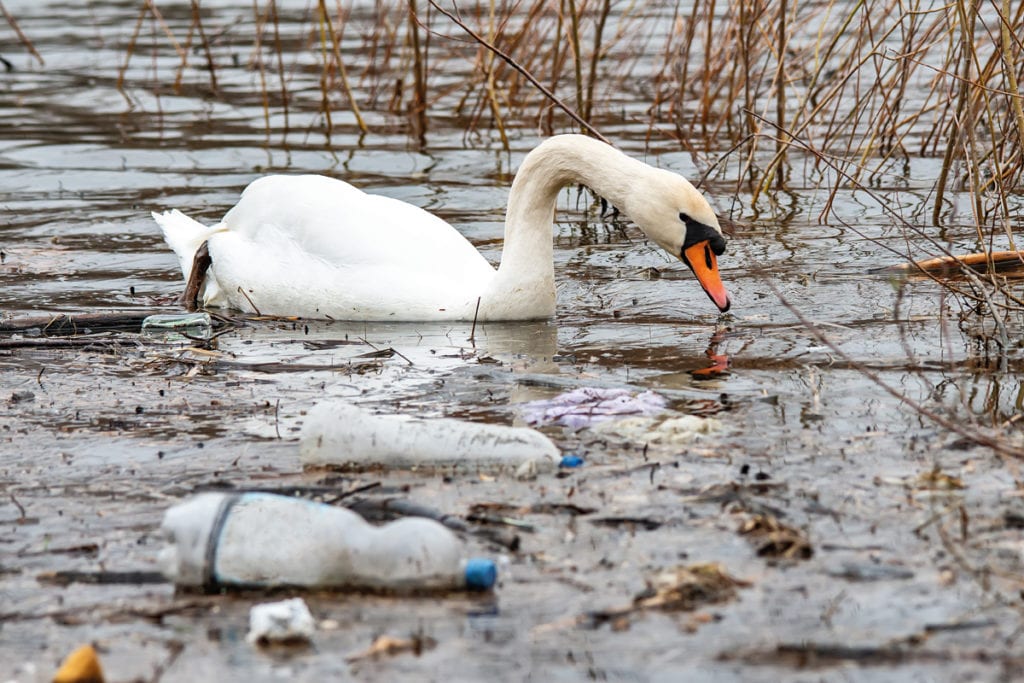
(318, 247)
(347, 227)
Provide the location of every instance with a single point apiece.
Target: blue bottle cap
(481, 573)
(571, 461)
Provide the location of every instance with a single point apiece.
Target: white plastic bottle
(261, 540)
(340, 433)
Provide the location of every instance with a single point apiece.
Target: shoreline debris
(287, 622)
(338, 433)
(259, 540)
(585, 406)
(81, 666)
(1000, 261)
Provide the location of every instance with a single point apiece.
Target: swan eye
(684, 217)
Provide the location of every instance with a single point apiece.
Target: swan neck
(559, 161)
(524, 286)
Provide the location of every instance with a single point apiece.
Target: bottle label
(210, 581)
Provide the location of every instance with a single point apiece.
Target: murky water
(97, 441)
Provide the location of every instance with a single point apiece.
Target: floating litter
(81, 666)
(287, 621)
(584, 407)
(193, 324)
(338, 433)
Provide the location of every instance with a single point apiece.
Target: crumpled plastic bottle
(264, 540)
(338, 433)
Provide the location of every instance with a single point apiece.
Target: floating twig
(243, 293)
(999, 261)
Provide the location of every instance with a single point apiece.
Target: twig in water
(258, 53)
(325, 101)
(277, 415)
(21, 508)
(401, 355)
(342, 73)
(994, 260)
(147, 8)
(362, 488)
(21, 36)
(102, 577)
(472, 331)
(242, 292)
(197, 19)
(574, 43)
(280, 61)
(389, 508)
(419, 100)
(379, 352)
(83, 341)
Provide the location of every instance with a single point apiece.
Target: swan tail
(184, 235)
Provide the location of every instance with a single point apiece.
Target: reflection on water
(82, 165)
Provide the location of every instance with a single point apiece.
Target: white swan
(317, 247)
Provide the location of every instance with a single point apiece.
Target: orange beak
(704, 265)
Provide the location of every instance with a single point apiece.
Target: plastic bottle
(340, 433)
(194, 324)
(262, 540)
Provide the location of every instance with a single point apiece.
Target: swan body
(317, 247)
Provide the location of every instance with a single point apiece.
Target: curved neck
(527, 260)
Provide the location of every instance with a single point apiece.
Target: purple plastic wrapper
(582, 407)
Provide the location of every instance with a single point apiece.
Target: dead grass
(831, 94)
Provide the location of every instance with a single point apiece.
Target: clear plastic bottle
(261, 540)
(195, 324)
(339, 433)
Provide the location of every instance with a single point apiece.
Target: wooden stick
(64, 324)
(55, 343)
(1000, 260)
(472, 332)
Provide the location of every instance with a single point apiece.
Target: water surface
(97, 441)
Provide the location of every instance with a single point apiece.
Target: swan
(317, 247)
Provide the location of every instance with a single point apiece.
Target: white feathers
(317, 247)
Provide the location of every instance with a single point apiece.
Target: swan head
(676, 216)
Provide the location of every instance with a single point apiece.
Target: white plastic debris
(589, 405)
(341, 434)
(670, 433)
(288, 621)
(253, 540)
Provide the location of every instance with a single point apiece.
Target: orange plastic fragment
(81, 666)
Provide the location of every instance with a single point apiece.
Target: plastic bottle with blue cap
(255, 540)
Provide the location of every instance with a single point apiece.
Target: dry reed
(834, 96)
